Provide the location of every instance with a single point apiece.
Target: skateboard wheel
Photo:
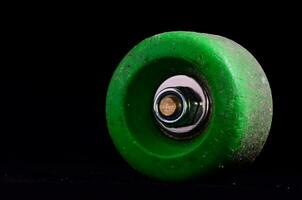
(183, 104)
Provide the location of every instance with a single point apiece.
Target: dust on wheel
(184, 104)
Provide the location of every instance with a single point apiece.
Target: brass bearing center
(169, 105)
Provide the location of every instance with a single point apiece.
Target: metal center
(169, 105)
(181, 107)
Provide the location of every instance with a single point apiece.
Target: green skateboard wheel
(169, 130)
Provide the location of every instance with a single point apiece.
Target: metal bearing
(181, 106)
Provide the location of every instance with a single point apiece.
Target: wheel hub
(181, 106)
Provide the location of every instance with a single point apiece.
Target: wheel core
(181, 106)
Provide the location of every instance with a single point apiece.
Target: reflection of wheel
(185, 104)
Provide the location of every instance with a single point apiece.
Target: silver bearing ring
(181, 106)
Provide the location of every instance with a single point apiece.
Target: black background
(55, 70)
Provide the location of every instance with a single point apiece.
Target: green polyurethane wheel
(172, 134)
